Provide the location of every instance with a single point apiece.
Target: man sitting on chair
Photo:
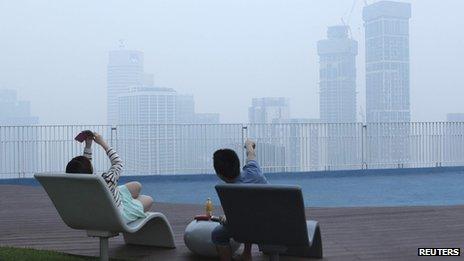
(227, 167)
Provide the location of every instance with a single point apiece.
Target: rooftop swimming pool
(416, 187)
(393, 187)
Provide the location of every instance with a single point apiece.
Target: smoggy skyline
(223, 52)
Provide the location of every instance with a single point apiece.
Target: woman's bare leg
(134, 188)
(147, 202)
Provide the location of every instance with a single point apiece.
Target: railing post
(2, 159)
(363, 146)
(113, 136)
(244, 137)
(18, 149)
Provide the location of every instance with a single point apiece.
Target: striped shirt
(111, 177)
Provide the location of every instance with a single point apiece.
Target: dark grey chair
(271, 216)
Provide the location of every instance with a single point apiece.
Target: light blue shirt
(251, 174)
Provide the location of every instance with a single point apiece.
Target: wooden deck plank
(28, 219)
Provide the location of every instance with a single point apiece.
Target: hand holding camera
(250, 147)
(100, 141)
(250, 144)
(88, 136)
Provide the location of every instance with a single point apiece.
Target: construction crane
(348, 17)
(353, 5)
(349, 28)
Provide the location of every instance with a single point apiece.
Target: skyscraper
(125, 70)
(387, 83)
(148, 136)
(337, 73)
(387, 61)
(269, 109)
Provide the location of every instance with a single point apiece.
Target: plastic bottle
(209, 207)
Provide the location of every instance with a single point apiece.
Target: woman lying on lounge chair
(126, 197)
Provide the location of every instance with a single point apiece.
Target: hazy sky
(224, 52)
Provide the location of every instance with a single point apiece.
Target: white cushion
(197, 238)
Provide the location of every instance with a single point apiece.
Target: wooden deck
(28, 219)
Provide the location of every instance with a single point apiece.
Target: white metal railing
(188, 148)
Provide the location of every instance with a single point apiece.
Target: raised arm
(88, 148)
(252, 170)
(250, 147)
(116, 163)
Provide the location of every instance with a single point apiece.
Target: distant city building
(302, 143)
(125, 70)
(195, 143)
(453, 139)
(387, 82)
(458, 117)
(207, 118)
(269, 109)
(337, 100)
(337, 76)
(185, 109)
(157, 134)
(148, 105)
(14, 112)
(387, 61)
(17, 161)
(148, 135)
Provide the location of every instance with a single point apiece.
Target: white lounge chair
(84, 202)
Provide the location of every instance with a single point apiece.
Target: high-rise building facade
(387, 83)
(387, 61)
(147, 132)
(185, 109)
(125, 70)
(337, 100)
(337, 76)
(269, 109)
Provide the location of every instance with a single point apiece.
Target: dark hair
(226, 163)
(79, 164)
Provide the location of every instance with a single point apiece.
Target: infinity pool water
(331, 189)
(391, 187)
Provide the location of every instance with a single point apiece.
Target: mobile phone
(83, 135)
